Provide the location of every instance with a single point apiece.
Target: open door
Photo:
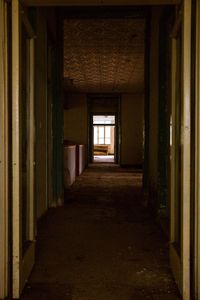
(180, 149)
(23, 218)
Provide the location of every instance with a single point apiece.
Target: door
(180, 149)
(23, 217)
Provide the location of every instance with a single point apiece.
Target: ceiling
(104, 55)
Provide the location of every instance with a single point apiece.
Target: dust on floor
(102, 245)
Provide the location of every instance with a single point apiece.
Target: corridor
(102, 245)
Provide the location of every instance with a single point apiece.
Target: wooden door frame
(21, 264)
(197, 158)
(51, 200)
(181, 264)
(4, 213)
(91, 135)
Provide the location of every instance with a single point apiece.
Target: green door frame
(164, 115)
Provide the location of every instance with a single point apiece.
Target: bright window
(102, 135)
(99, 119)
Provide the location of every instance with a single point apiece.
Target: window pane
(103, 119)
(107, 131)
(101, 132)
(101, 141)
(107, 141)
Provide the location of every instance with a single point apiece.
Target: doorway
(23, 149)
(180, 227)
(104, 112)
(104, 138)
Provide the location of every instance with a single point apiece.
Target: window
(102, 135)
(100, 120)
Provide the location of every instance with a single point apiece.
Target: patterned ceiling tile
(104, 55)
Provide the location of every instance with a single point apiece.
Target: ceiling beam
(98, 2)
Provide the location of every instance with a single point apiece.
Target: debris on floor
(103, 244)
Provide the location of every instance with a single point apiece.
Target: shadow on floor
(102, 245)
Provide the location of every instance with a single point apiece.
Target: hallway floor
(102, 245)
(104, 159)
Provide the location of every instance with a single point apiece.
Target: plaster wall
(75, 119)
(132, 112)
(76, 122)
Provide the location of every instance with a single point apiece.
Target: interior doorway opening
(104, 138)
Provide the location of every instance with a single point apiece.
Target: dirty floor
(102, 245)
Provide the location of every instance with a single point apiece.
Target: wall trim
(3, 151)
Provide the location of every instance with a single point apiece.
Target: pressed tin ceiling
(104, 55)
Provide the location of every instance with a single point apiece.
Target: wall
(75, 125)
(75, 119)
(132, 112)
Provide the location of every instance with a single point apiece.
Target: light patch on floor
(104, 159)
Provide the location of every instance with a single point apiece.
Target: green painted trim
(58, 115)
(147, 105)
(163, 116)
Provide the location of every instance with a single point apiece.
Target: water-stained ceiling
(104, 55)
